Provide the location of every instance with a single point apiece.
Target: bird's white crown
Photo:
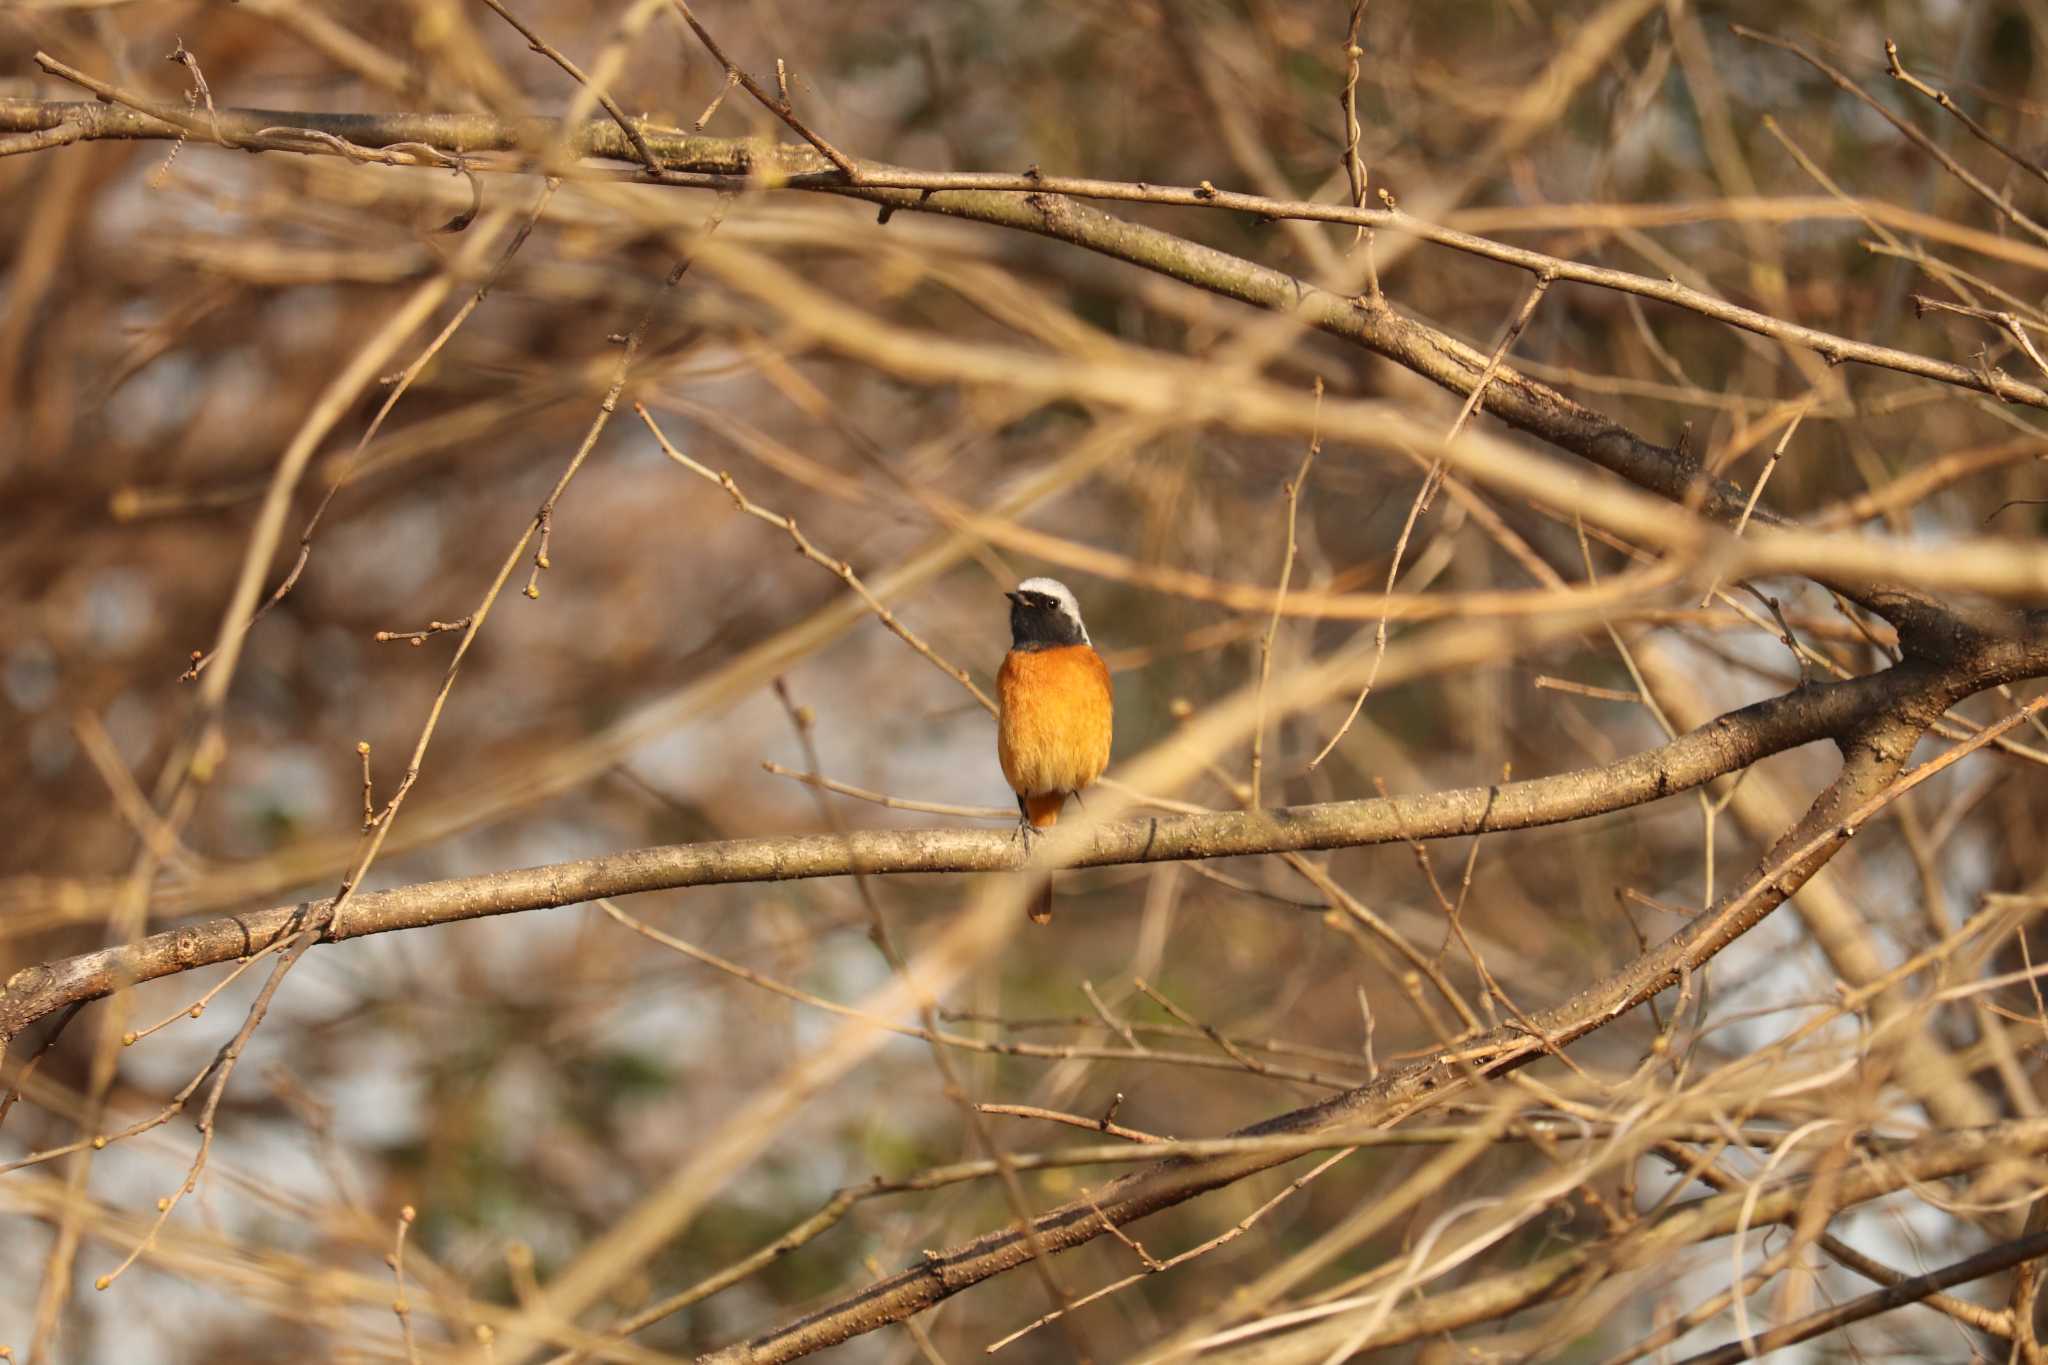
(1061, 593)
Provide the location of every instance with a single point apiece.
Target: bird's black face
(1041, 621)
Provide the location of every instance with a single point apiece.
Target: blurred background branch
(1662, 908)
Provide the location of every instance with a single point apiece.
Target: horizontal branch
(1722, 746)
(246, 129)
(683, 155)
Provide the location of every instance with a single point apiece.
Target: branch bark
(710, 162)
(1726, 744)
(1874, 758)
(1875, 753)
(1046, 205)
(1933, 1157)
(1875, 720)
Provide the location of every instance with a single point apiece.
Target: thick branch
(1876, 720)
(1042, 204)
(1725, 745)
(684, 155)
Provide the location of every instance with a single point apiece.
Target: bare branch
(1726, 745)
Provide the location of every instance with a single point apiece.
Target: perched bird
(1052, 733)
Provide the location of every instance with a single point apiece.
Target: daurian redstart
(1052, 735)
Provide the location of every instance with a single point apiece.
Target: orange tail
(1040, 908)
(1043, 812)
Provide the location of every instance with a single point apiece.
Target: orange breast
(1053, 734)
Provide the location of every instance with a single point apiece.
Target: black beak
(1014, 598)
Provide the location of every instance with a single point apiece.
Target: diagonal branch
(693, 160)
(1047, 206)
(1864, 787)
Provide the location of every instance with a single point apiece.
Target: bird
(1054, 710)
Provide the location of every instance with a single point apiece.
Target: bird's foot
(1029, 835)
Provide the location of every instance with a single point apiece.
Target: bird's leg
(1028, 833)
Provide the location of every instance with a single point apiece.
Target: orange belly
(1053, 732)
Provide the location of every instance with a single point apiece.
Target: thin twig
(399, 1305)
(1544, 680)
(2004, 319)
(1117, 1026)
(724, 166)
(1898, 72)
(35, 1059)
(1223, 1238)
(1430, 482)
(776, 105)
(1293, 490)
(397, 390)
(1763, 477)
(603, 97)
(1880, 1301)
(1998, 200)
(890, 802)
(840, 567)
(1354, 164)
(1097, 1125)
(1209, 1031)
